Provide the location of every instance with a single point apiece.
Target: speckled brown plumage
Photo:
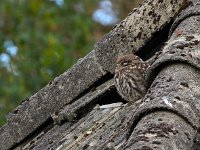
(129, 77)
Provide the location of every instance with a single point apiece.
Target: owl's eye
(125, 63)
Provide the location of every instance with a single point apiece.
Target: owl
(129, 77)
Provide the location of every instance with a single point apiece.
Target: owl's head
(130, 63)
(127, 60)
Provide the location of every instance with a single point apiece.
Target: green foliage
(49, 38)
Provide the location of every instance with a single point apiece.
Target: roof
(80, 109)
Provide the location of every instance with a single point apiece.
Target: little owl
(130, 77)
